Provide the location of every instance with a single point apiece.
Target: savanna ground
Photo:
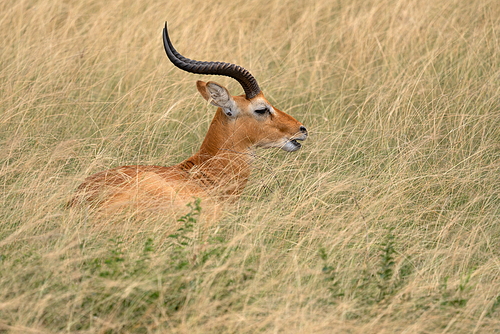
(387, 220)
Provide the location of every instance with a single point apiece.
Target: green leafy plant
(330, 276)
(459, 296)
(183, 237)
(386, 269)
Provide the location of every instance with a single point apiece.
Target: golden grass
(386, 221)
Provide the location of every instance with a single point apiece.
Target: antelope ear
(217, 95)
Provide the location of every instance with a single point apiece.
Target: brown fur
(218, 171)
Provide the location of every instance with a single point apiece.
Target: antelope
(222, 166)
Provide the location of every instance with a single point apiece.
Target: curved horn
(246, 80)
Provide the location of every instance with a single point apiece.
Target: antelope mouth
(292, 145)
(296, 143)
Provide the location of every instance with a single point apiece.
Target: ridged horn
(246, 80)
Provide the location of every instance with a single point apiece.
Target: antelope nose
(303, 129)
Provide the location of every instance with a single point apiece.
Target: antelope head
(251, 120)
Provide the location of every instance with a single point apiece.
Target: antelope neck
(224, 159)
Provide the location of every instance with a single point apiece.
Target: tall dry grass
(386, 221)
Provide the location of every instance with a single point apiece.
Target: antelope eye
(261, 111)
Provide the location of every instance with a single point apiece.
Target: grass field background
(387, 220)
